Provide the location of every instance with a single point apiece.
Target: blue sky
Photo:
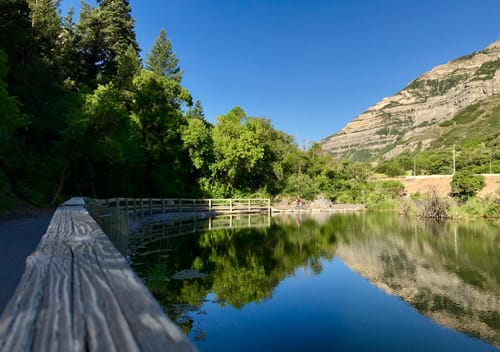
(310, 66)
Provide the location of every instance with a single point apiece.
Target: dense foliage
(82, 115)
(465, 184)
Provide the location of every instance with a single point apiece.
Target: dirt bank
(441, 183)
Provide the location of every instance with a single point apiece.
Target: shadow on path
(19, 237)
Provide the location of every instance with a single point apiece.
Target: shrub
(384, 195)
(301, 185)
(465, 184)
(434, 207)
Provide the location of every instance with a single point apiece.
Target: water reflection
(448, 271)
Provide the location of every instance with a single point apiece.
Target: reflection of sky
(337, 310)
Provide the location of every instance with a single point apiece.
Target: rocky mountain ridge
(387, 128)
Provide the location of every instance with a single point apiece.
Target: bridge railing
(150, 206)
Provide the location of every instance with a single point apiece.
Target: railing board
(78, 293)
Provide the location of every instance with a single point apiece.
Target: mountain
(454, 102)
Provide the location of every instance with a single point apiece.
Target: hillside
(457, 102)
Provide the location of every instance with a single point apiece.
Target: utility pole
(490, 162)
(454, 164)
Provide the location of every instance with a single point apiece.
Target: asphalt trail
(19, 238)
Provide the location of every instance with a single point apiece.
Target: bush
(465, 184)
(479, 207)
(384, 195)
(434, 207)
(301, 185)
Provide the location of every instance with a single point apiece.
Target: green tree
(161, 60)
(97, 144)
(159, 120)
(9, 110)
(197, 140)
(129, 66)
(465, 184)
(102, 36)
(11, 120)
(196, 111)
(46, 22)
(248, 153)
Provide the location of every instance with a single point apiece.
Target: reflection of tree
(243, 265)
(247, 264)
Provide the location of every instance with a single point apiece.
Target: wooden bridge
(150, 206)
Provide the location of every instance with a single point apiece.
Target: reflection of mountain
(446, 276)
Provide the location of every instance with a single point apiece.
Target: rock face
(436, 96)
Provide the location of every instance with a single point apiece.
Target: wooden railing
(149, 206)
(190, 226)
(79, 294)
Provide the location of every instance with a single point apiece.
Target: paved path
(18, 239)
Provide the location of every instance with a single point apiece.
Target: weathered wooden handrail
(79, 294)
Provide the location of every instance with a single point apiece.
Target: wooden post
(210, 205)
(150, 206)
(163, 205)
(249, 206)
(180, 205)
(142, 206)
(230, 205)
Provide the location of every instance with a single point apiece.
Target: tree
(159, 120)
(10, 121)
(161, 60)
(129, 66)
(196, 111)
(197, 140)
(9, 110)
(103, 35)
(96, 143)
(248, 154)
(46, 22)
(465, 184)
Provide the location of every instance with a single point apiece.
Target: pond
(342, 282)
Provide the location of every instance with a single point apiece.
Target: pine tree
(129, 65)
(46, 23)
(161, 59)
(196, 111)
(103, 36)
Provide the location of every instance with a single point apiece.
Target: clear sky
(310, 66)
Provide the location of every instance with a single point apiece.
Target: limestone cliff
(388, 127)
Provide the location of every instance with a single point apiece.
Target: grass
(465, 57)
(426, 88)
(487, 70)
(474, 125)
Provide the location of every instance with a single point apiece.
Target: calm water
(356, 282)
